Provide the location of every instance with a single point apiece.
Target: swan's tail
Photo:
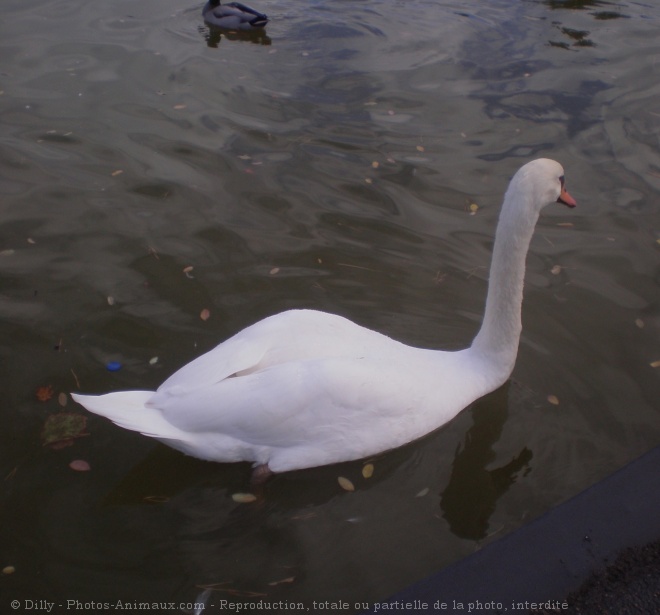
(129, 409)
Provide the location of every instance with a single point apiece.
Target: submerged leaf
(368, 470)
(44, 393)
(60, 429)
(553, 399)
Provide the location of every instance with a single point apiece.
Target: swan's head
(545, 179)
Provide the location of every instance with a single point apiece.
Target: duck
(233, 16)
(306, 388)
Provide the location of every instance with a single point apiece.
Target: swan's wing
(237, 354)
(298, 403)
(291, 336)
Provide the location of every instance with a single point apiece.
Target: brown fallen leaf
(205, 314)
(44, 393)
(368, 470)
(553, 399)
(62, 399)
(655, 364)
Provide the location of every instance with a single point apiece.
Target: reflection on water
(150, 170)
(470, 497)
(214, 36)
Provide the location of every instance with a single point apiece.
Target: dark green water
(328, 164)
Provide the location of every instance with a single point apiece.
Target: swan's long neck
(498, 338)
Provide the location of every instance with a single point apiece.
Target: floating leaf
(422, 493)
(369, 180)
(368, 470)
(187, 271)
(45, 393)
(179, 107)
(375, 164)
(345, 484)
(556, 270)
(80, 465)
(473, 208)
(420, 148)
(639, 322)
(111, 300)
(62, 399)
(205, 314)
(8, 570)
(274, 271)
(655, 364)
(117, 172)
(60, 429)
(553, 399)
(153, 360)
(244, 498)
(155, 499)
(566, 224)
(287, 580)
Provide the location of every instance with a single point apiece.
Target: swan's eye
(561, 181)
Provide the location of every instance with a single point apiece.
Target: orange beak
(566, 198)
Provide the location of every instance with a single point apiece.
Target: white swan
(306, 388)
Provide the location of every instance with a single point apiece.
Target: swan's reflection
(471, 495)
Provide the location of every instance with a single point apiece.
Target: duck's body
(233, 16)
(305, 388)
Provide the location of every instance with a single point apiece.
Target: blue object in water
(113, 366)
